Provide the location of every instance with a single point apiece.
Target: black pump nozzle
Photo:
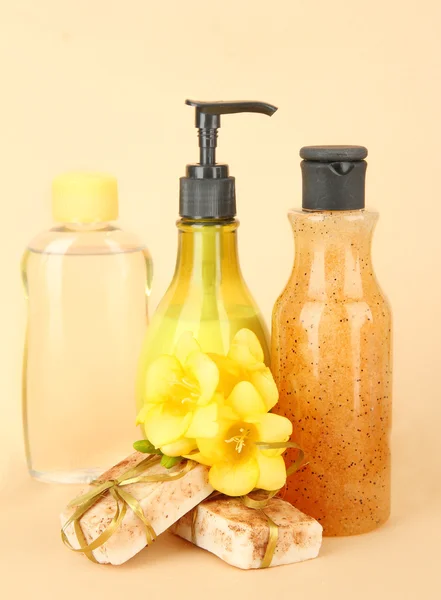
(208, 121)
(230, 107)
(207, 191)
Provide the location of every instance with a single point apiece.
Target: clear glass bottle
(207, 295)
(86, 283)
(331, 356)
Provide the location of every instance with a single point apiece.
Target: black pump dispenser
(333, 177)
(207, 191)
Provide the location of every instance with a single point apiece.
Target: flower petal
(200, 458)
(235, 478)
(160, 377)
(204, 422)
(141, 416)
(273, 428)
(179, 448)
(264, 383)
(205, 372)
(246, 349)
(185, 346)
(245, 400)
(229, 372)
(214, 448)
(227, 413)
(164, 426)
(272, 472)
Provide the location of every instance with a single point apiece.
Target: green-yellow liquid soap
(208, 295)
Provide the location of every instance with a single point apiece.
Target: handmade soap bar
(239, 535)
(163, 503)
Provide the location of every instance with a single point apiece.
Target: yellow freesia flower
(244, 362)
(180, 401)
(237, 463)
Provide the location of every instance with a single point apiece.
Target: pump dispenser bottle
(331, 349)
(208, 295)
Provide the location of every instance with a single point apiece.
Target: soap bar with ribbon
(251, 534)
(128, 506)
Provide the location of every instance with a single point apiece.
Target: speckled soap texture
(331, 359)
(163, 503)
(239, 535)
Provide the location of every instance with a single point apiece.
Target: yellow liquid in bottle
(87, 319)
(207, 296)
(213, 335)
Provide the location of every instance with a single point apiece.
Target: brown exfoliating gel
(331, 360)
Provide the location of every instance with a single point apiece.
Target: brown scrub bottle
(331, 349)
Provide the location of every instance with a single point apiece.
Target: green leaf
(170, 461)
(146, 447)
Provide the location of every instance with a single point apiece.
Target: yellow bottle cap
(84, 198)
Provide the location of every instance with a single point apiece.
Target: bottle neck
(85, 227)
(333, 252)
(207, 251)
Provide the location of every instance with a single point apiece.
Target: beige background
(100, 84)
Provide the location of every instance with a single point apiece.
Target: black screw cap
(333, 177)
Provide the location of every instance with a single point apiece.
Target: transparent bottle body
(207, 296)
(331, 358)
(86, 288)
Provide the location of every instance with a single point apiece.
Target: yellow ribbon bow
(123, 500)
(260, 505)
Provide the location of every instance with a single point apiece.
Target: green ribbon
(260, 505)
(273, 529)
(123, 500)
